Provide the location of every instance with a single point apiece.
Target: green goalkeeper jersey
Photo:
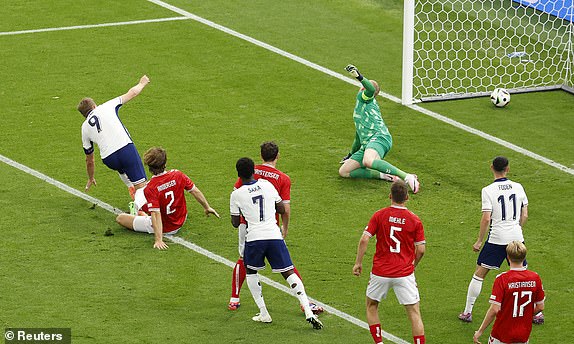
(369, 123)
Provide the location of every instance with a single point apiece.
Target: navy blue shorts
(274, 250)
(491, 256)
(127, 160)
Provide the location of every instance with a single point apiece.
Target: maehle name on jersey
(397, 220)
(505, 187)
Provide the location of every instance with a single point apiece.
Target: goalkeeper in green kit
(372, 139)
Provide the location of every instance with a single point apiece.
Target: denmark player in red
(400, 247)
(164, 198)
(282, 183)
(517, 295)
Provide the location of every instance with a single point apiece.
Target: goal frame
(408, 65)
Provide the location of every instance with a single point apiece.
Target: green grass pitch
(214, 98)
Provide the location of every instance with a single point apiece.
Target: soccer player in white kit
(504, 213)
(258, 201)
(117, 150)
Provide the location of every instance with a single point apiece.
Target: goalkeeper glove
(354, 72)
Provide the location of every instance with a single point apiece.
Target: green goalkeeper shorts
(381, 145)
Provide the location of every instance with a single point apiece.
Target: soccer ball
(500, 97)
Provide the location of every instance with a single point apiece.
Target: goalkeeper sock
(367, 173)
(474, 288)
(385, 167)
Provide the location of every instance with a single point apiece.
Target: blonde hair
(86, 105)
(516, 252)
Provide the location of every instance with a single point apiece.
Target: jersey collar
(501, 179)
(519, 269)
(398, 206)
(157, 175)
(250, 183)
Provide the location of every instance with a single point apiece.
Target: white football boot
(413, 182)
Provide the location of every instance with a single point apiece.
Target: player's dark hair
(155, 158)
(516, 251)
(499, 163)
(399, 191)
(86, 105)
(245, 168)
(269, 151)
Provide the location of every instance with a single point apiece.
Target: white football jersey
(504, 199)
(103, 127)
(256, 202)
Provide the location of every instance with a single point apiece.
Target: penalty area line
(78, 27)
(190, 245)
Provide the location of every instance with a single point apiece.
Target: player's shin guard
(297, 286)
(474, 289)
(237, 280)
(376, 333)
(256, 291)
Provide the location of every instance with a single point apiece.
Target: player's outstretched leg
(236, 284)
(316, 309)
(256, 291)
(297, 286)
(372, 159)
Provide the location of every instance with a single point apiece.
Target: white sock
(256, 292)
(297, 286)
(125, 179)
(474, 289)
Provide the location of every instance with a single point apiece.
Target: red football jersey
(280, 181)
(165, 192)
(397, 230)
(516, 291)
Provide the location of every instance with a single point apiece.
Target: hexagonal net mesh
(465, 48)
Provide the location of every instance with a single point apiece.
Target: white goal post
(466, 48)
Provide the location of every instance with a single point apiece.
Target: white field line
(191, 246)
(9, 33)
(390, 97)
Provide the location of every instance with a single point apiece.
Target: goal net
(466, 48)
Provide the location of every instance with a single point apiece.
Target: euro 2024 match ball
(500, 97)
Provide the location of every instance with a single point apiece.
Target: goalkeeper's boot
(389, 177)
(317, 324)
(262, 318)
(538, 318)
(413, 182)
(465, 317)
